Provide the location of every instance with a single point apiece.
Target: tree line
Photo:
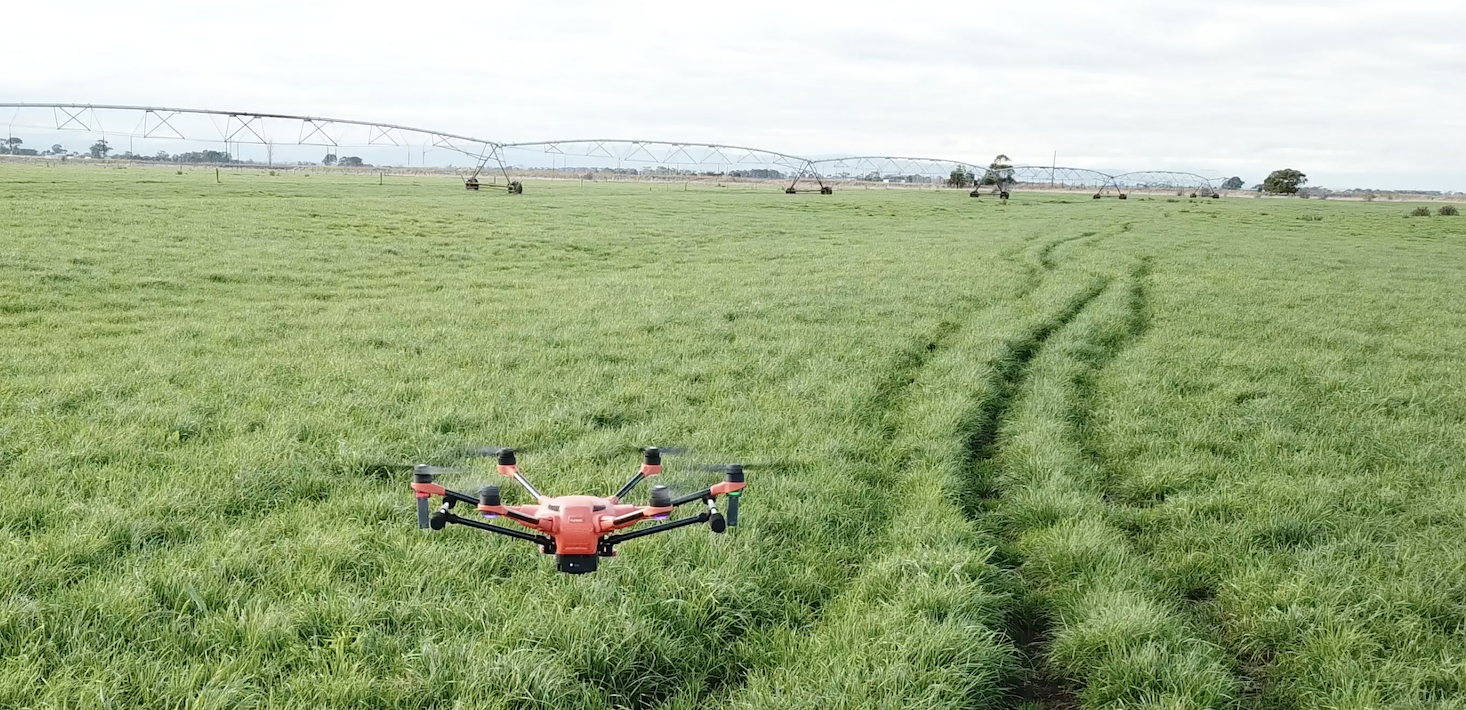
(1280, 182)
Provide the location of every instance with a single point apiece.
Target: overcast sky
(1353, 93)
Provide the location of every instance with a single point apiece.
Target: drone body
(577, 529)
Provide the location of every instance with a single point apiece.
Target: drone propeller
(437, 470)
(485, 452)
(664, 450)
(730, 467)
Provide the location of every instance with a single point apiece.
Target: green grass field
(1157, 453)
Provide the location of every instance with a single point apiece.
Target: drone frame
(577, 529)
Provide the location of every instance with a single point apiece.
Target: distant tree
(1001, 169)
(330, 159)
(1284, 182)
(757, 174)
(57, 150)
(960, 177)
(100, 149)
(204, 156)
(12, 145)
(162, 156)
(351, 161)
(1232, 183)
(1257, 188)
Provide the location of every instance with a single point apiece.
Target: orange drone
(577, 529)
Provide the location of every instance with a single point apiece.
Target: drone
(577, 529)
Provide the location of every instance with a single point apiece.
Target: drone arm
(516, 514)
(541, 540)
(630, 486)
(512, 471)
(457, 497)
(647, 471)
(427, 490)
(611, 540)
(710, 493)
(732, 489)
(651, 465)
(703, 494)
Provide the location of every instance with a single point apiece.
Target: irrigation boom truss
(280, 129)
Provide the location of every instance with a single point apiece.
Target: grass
(1061, 453)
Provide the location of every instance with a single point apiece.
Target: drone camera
(576, 564)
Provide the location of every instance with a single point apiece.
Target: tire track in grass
(981, 427)
(1135, 325)
(967, 594)
(869, 502)
(1091, 615)
(921, 624)
(975, 491)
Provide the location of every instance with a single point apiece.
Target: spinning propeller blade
(485, 452)
(437, 470)
(730, 467)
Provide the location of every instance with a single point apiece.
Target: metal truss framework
(274, 129)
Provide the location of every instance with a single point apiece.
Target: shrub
(1420, 212)
(1449, 211)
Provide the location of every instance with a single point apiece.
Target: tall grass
(1055, 452)
(205, 382)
